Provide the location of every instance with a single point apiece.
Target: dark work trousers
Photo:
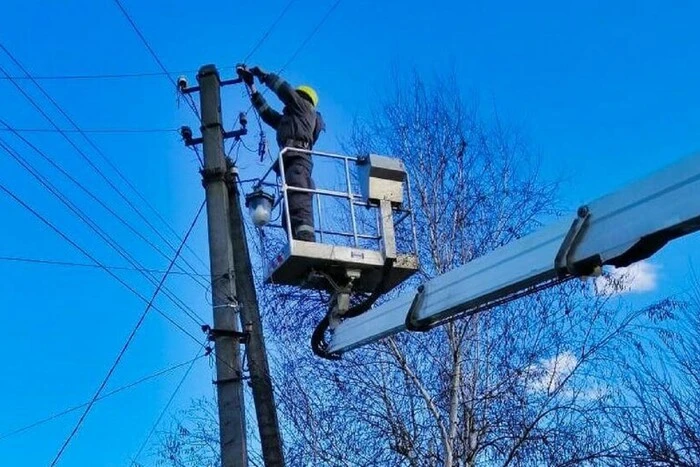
(297, 173)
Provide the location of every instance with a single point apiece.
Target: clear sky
(607, 91)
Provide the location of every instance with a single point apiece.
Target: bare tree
(657, 408)
(193, 437)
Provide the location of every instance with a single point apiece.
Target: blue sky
(607, 93)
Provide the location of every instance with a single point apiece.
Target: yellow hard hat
(309, 91)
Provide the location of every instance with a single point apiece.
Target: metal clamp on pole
(412, 322)
(562, 262)
(213, 333)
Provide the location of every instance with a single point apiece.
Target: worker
(298, 126)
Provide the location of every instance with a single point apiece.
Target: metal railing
(353, 199)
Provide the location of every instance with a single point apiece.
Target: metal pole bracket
(213, 333)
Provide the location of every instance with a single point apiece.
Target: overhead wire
(245, 146)
(126, 345)
(310, 35)
(164, 72)
(26, 165)
(97, 76)
(96, 130)
(109, 394)
(165, 409)
(153, 53)
(86, 190)
(53, 190)
(51, 262)
(82, 250)
(99, 152)
(160, 285)
(250, 54)
(188, 311)
(92, 164)
(301, 47)
(269, 30)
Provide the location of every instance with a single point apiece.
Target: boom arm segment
(618, 229)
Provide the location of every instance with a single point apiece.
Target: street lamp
(259, 206)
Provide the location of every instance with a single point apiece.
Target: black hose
(318, 342)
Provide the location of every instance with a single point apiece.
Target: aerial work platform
(295, 265)
(374, 255)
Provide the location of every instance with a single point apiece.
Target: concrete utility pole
(225, 333)
(260, 381)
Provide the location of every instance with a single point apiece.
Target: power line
(145, 41)
(126, 344)
(262, 39)
(48, 223)
(82, 250)
(50, 262)
(96, 130)
(153, 53)
(311, 35)
(147, 74)
(98, 76)
(102, 397)
(165, 409)
(93, 226)
(103, 76)
(70, 177)
(269, 30)
(304, 43)
(99, 151)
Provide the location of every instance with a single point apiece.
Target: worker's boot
(305, 233)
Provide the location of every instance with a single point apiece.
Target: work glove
(245, 74)
(257, 71)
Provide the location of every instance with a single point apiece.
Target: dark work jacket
(299, 120)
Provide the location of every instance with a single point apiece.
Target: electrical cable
(245, 146)
(99, 76)
(89, 192)
(88, 160)
(97, 130)
(198, 155)
(138, 32)
(113, 167)
(269, 31)
(318, 344)
(126, 345)
(51, 262)
(299, 49)
(191, 314)
(165, 409)
(96, 228)
(106, 269)
(102, 397)
(310, 36)
(91, 257)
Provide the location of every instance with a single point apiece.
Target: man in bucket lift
(298, 126)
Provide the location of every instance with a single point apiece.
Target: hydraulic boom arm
(619, 229)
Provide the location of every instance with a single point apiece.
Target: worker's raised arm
(267, 113)
(284, 91)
